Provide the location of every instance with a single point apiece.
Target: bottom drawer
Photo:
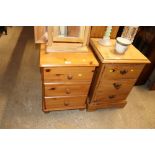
(63, 103)
(113, 90)
(93, 106)
(110, 98)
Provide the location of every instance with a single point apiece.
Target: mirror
(70, 38)
(69, 31)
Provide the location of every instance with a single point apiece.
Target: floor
(20, 94)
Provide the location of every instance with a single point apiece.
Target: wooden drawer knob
(47, 70)
(117, 85)
(112, 70)
(112, 96)
(123, 72)
(52, 89)
(68, 91)
(58, 74)
(70, 77)
(66, 104)
(91, 62)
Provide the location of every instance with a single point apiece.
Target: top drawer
(122, 71)
(68, 74)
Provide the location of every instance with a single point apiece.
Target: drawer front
(114, 90)
(66, 89)
(110, 98)
(122, 71)
(115, 86)
(68, 74)
(65, 103)
(108, 105)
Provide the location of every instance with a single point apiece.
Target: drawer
(68, 74)
(110, 98)
(122, 71)
(66, 89)
(115, 86)
(65, 103)
(114, 90)
(104, 104)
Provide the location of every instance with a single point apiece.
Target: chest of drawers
(115, 76)
(66, 78)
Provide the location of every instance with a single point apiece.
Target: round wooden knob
(68, 91)
(91, 62)
(47, 70)
(123, 72)
(117, 85)
(69, 77)
(112, 70)
(112, 96)
(51, 88)
(66, 104)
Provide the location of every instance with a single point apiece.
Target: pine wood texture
(68, 74)
(66, 89)
(98, 31)
(64, 103)
(53, 39)
(94, 31)
(66, 47)
(122, 71)
(73, 31)
(68, 38)
(113, 90)
(102, 105)
(67, 58)
(115, 76)
(66, 78)
(108, 54)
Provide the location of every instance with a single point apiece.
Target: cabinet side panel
(95, 82)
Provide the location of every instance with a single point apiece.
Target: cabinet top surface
(108, 54)
(66, 58)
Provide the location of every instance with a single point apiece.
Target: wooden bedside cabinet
(115, 76)
(67, 66)
(66, 78)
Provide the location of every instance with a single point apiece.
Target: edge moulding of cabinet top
(54, 59)
(108, 54)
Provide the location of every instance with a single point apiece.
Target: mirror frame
(57, 38)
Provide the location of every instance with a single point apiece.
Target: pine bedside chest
(67, 68)
(115, 76)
